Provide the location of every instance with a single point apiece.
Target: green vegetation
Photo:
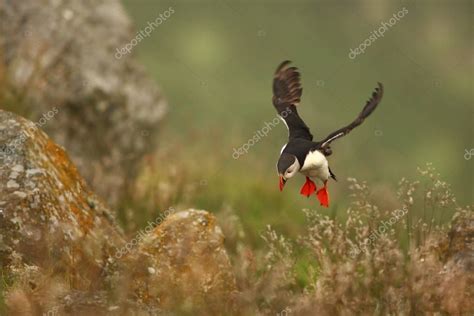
(215, 59)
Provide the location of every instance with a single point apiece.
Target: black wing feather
(287, 93)
(366, 111)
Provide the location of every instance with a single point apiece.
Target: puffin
(302, 154)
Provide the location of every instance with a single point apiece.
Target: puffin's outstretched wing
(287, 93)
(366, 111)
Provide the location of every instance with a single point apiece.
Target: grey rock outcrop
(64, 253)
(182, 265)
(61, 54)
(461, 242)
(49, 218)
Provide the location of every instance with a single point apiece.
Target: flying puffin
(302, 154)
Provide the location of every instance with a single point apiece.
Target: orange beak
(282, 182)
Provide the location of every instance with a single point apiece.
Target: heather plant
(372, 259)
(360, 264)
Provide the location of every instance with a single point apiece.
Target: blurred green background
(215, 59)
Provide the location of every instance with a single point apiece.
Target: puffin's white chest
(316, 166)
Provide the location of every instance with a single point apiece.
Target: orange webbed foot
(308, 188)
(323, 196)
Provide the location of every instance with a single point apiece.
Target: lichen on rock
(59, 241)
(56, 54)
(183, 265)
(49, 216)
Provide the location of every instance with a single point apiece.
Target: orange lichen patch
(69, 174)
(70, 181)
(86, 221)
(50, 214)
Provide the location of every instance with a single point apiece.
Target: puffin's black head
(287, 167)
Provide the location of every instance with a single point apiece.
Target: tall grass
(402, 271)
(372, 258)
